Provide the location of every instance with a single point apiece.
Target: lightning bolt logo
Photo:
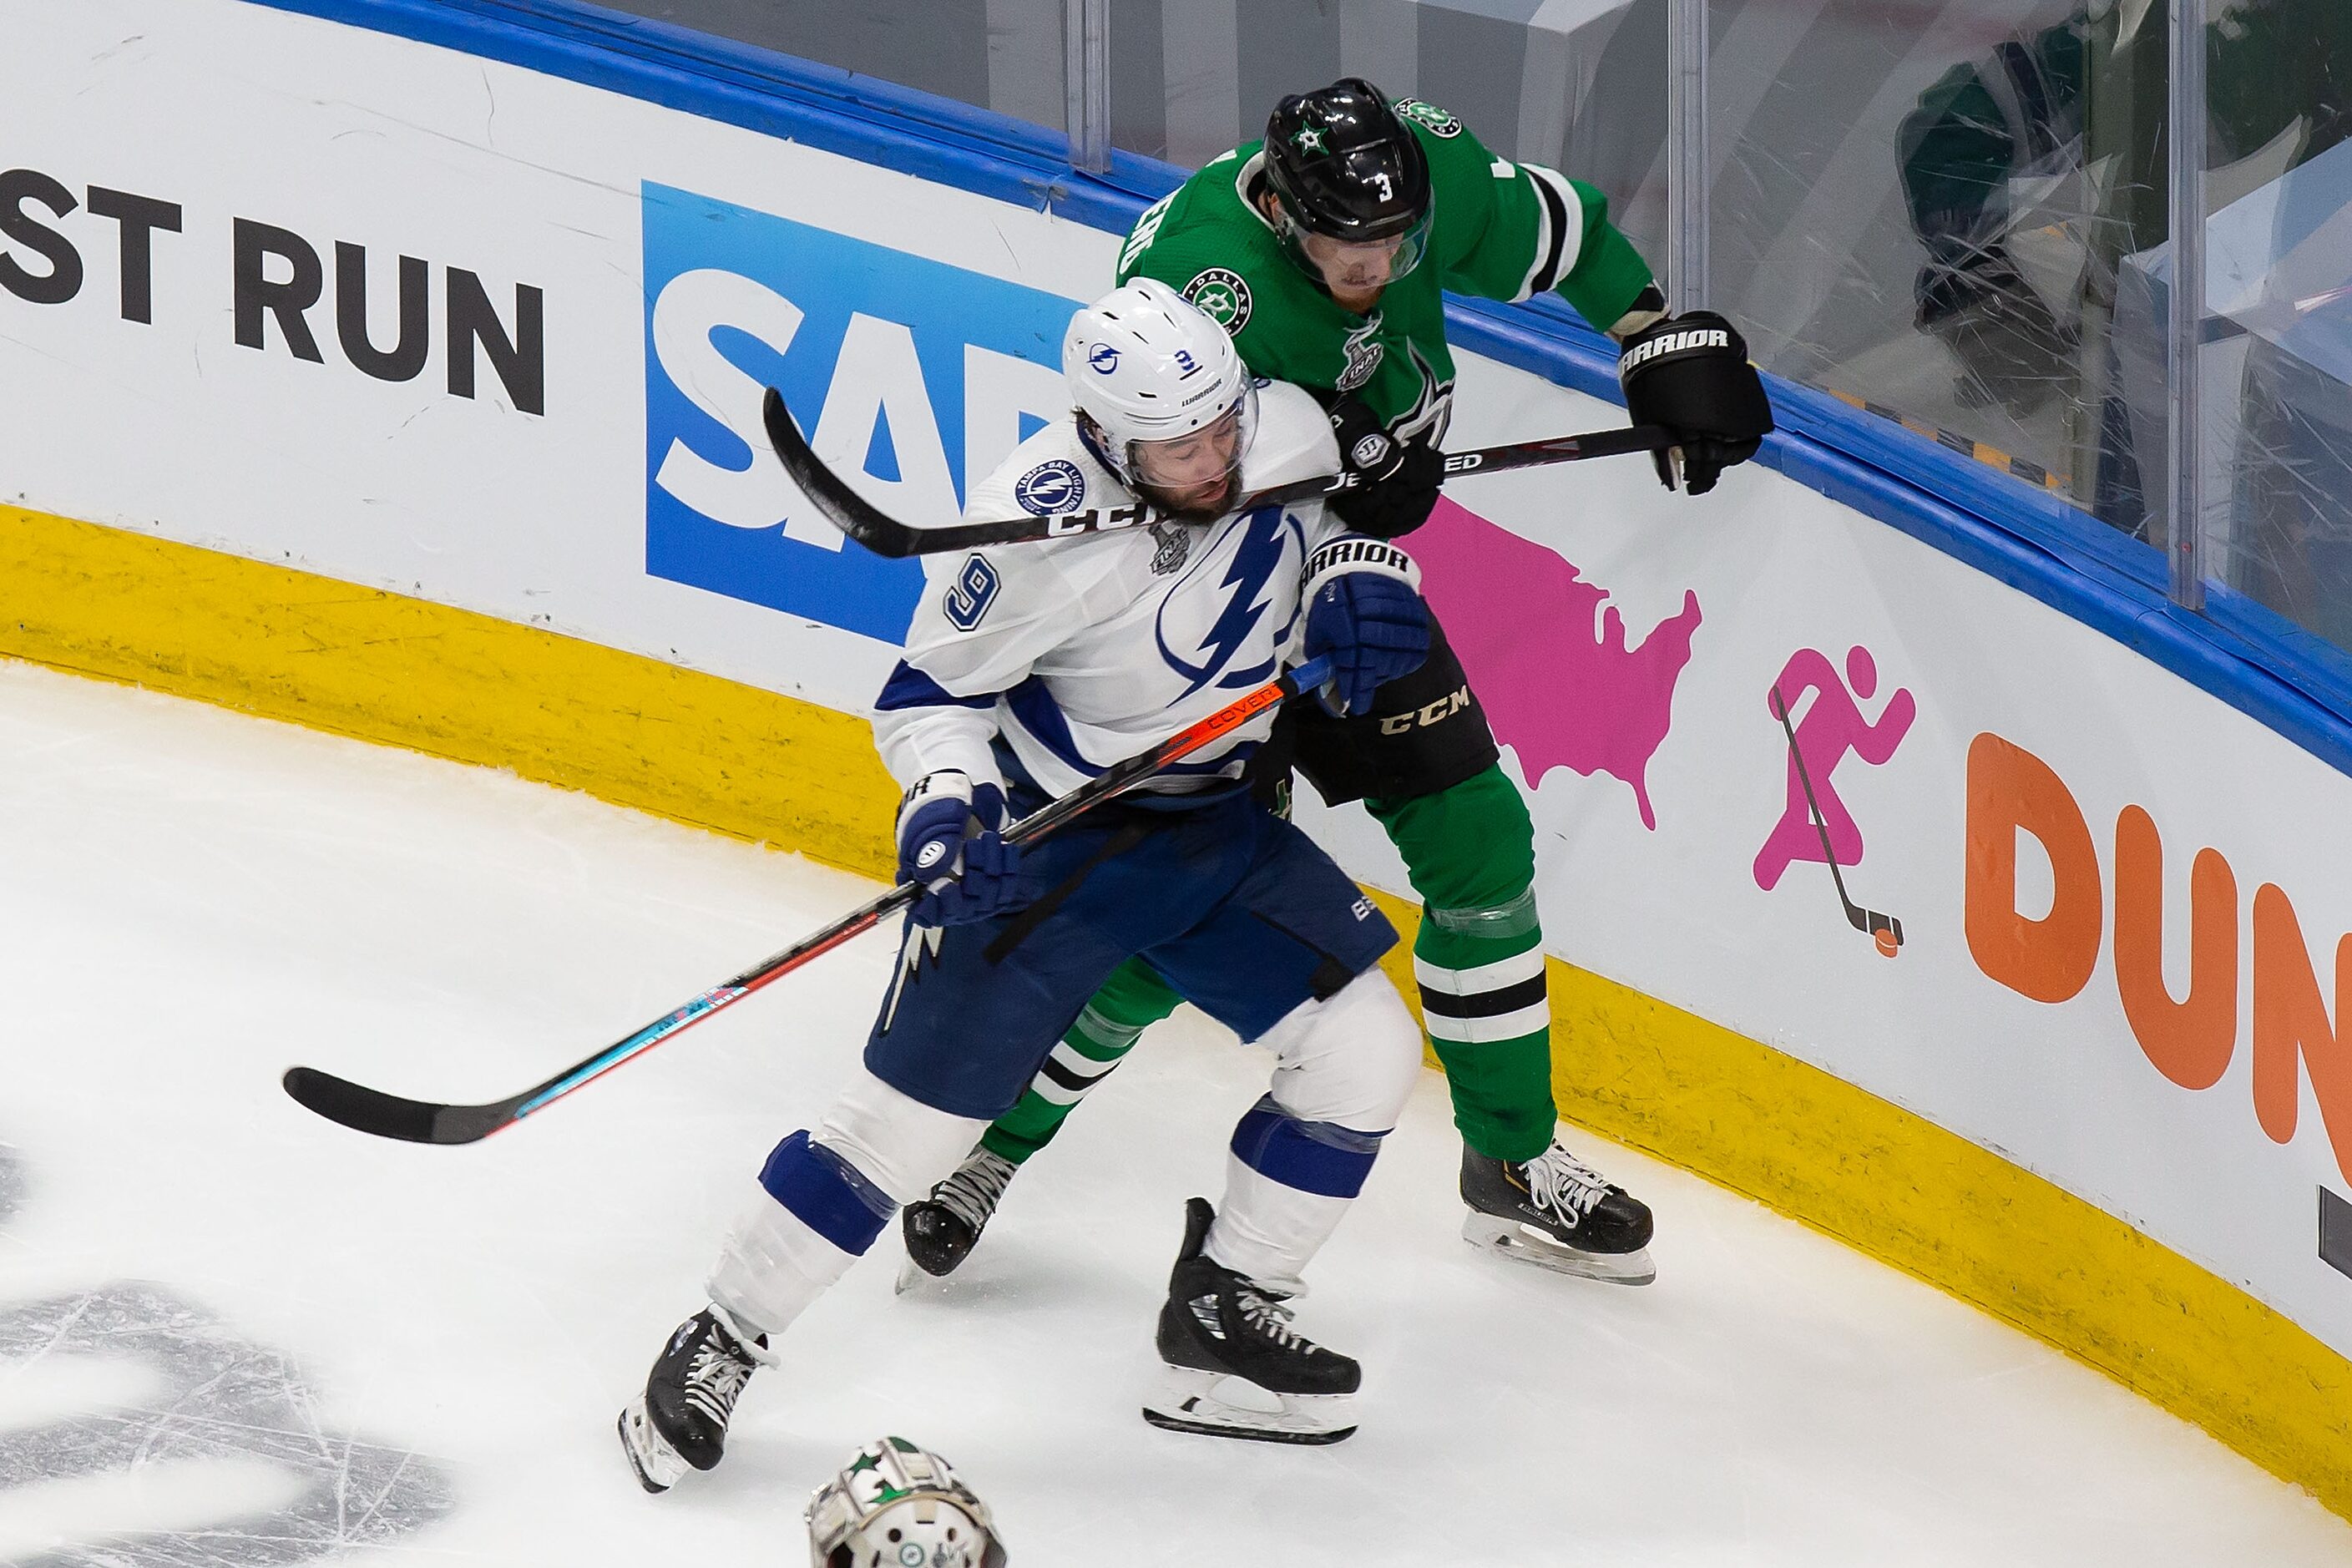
(1260, 549)
(922, 942)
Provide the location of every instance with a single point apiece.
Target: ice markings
(219, 1436)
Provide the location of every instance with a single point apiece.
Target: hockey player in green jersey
(1324, 251)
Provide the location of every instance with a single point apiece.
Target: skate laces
(1559, 1181)
(973, 1192)
(1269, 1319)
(716, 1376)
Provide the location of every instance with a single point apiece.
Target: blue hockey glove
(948, 839)
(1364, 611)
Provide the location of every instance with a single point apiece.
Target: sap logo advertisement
(914, 378)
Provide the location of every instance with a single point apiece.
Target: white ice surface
(213, 1306)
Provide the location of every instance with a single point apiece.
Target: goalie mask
(895, 1505)
(1164, 400)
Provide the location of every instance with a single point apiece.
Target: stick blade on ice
(370, 1111)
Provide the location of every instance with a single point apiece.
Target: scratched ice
(218, 1396)
(233, 1335)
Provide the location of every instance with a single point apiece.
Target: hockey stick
(867, 524)
(386, 1115)
(1883, 930)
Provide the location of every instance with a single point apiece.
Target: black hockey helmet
(1343, 167)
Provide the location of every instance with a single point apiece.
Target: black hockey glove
(1396, 481)
(2011, 349)
(1690, 373)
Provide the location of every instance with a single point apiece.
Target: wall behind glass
(2277, 357)
(1005, 54)
(1576, 84)
(1929, 208)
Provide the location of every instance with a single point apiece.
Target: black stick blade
(370, 1111)
(842, 507)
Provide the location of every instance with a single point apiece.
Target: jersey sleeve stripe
(1032, 706)
(1562, 238)
(910, 687)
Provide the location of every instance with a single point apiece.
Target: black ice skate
(1218, 1325)
(1557, 1213)
(942, 1229)
(680, 1420)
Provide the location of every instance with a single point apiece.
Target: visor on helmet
(1352, 265)
(1198, 470)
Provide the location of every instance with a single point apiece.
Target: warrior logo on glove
(1691, 374)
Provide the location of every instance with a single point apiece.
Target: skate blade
(658, 1466)
(1190, 1404)
(1526, 1244)
(914, 1276)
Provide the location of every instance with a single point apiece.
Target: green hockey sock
(1479, 958)
(1133, 999)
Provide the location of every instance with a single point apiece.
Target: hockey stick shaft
(384, 1115)
(867, 524)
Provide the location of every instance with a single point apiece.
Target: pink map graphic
(1561, 688)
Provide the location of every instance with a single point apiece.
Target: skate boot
(680, 1420)
(1217, 1326)
(1557, 1212)
(942, 1229)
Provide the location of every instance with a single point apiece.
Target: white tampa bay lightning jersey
(1082, 651)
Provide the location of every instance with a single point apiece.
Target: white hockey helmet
(895, 1505)
(1145, 365)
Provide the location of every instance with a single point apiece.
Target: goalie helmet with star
(898, 1505)
(1347, 172)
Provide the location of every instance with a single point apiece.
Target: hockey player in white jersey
(1029, 668)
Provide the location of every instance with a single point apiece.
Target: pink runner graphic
(1832, 726)
(1552, 666)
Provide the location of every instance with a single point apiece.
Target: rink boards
(414, 395)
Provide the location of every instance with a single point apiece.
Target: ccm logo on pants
(1427, 714)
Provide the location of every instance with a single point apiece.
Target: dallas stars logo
(1309, 140)
(1429, 116)
(1219, 294)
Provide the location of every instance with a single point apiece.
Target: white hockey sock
(1269, 1232)
(772, 1265)
(1343, 1067)
(822, 1199)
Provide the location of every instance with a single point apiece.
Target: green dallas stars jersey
(1499, 230)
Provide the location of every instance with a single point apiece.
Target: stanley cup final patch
(1219, 294)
